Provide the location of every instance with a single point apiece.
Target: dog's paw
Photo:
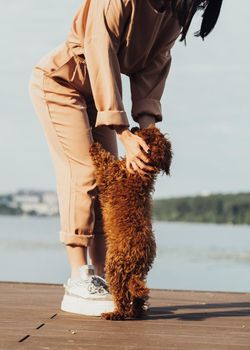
(112, 316)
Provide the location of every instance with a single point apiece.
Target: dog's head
(160, 147)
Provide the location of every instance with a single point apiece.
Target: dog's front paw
(112, 316)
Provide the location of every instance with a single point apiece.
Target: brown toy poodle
(126, 204)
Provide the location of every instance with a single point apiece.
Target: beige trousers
(63, 103)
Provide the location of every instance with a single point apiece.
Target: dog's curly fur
(126, 204)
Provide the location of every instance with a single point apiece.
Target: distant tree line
(216, 208)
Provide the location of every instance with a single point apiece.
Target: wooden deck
(30, 318)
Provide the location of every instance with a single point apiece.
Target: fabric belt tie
(79, 59)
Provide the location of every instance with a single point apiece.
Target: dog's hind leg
(139, 294)
(129, 301)
(137, 288)
(118, 286)
(137, 308)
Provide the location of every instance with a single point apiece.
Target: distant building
(43, 203)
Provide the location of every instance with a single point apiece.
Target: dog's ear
(167, 159)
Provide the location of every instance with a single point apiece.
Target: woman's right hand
(136, 159)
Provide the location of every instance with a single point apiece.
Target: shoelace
(98, 285)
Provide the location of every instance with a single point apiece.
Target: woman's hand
(135, 158)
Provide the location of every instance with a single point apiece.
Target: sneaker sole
(86, 306)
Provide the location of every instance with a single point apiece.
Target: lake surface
(189, 256)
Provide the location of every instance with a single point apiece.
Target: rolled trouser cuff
(72, 239)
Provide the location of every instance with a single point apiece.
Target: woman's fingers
(143, 166)
(136, 160)
(146, 149)
(128, 165)
(142, 156)
(138, 166)
(132, 167)
(144, 145)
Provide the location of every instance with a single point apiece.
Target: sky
(205, 104)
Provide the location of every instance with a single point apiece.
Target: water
(189, 256)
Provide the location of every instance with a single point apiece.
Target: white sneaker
(88, 294)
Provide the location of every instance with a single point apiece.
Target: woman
(76, 91)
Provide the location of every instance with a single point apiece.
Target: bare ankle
(75, 272)
(77, 256)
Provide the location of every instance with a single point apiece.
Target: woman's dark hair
(186, 9)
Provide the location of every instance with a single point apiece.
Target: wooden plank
(177, 320)
(24, 306)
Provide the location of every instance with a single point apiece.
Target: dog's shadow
(242, 309)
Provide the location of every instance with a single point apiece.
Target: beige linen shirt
(129, 37)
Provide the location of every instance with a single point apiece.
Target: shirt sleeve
(147, 86)
(105, 23)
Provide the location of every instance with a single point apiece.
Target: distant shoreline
(214, 208)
